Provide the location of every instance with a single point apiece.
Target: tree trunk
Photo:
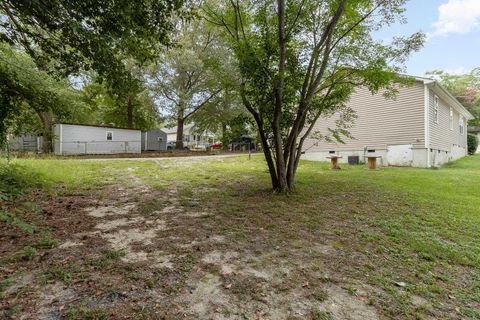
(276, 127)
(179, 142)
(129, 112)
(46, 118)
(224, 138)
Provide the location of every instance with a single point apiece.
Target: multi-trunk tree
(187, 78)
(299, 59)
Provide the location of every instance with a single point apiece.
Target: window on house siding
(451, 119)
(109, 135)
(436, 103)
(462, 126)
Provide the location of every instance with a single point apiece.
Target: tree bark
(224, 138)
(129, 112)
(276, 127)
(179, 142)
(46, 117)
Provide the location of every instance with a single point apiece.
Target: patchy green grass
(407, 236)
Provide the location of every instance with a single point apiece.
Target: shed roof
(97, 126)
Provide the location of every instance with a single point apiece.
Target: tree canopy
(28, 93)
(297, 60)
(90, 34)
(65, 37)
(189, 76)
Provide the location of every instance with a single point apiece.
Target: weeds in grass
(12, 311)
(15, 179)
(320, 295)
(57, 273)
(108, 258)
(114, 254)
(82, 312)
(12, 218)
(47, 241)
(27, 253)
(5, 283)
(317, 314)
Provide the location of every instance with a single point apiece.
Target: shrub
(15, 179)
(472, 143)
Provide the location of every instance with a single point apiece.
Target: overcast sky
(453, 35)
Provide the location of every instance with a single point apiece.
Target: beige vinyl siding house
(420, 127)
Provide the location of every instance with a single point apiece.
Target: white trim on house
(436, 108)
(450, 99)
(427, 120)
(451, 119)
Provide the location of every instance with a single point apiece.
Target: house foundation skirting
(416, 157)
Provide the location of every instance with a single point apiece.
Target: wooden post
(372, 163)
(334, 163)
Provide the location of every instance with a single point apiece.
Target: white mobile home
(75, 139)
(423, 126)
(154, 140)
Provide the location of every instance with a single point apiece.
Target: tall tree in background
(298, 59)
(107, 108)
(466, 88)
(185, 80)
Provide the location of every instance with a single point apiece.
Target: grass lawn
(207, 239)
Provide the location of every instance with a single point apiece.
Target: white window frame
(462, 126)
(436, 104)
(451, 118)
(106, 135)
